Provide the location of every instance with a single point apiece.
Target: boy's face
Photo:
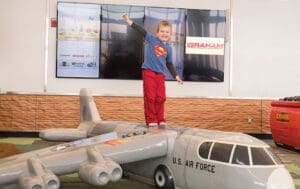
(164, 33)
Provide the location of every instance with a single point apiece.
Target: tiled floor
(12, 145)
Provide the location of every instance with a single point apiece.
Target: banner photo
(93, 41)
(78, 39)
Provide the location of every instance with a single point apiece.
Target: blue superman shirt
(157, 54)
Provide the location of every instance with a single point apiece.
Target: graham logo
(204, 45)
(282, 116)
(160, 51)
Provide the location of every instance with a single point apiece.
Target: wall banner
(204, 45)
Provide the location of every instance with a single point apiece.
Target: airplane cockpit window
(261, 157)
(274, 156)
(204, 149)
(221, 152)
(240, 155)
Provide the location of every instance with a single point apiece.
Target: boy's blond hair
(164, 23)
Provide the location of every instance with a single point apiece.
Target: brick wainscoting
(34, 112)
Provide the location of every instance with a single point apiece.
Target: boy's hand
(179, 80)
(127, 19)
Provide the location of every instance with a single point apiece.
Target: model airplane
(171, 157)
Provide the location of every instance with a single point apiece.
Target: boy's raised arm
(135, 26)
(127, 19)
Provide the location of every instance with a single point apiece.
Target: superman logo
(160, 51)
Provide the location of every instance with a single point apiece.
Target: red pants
(154, 96)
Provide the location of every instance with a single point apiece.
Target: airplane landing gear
(163, 178)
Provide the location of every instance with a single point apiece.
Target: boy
(158, 54)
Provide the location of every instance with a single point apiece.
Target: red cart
(285, 122)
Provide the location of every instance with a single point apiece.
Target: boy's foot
(162, 124)
(152, 125)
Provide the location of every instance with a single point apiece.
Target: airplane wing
(96, 159)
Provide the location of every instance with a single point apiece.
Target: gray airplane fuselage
(190, 170)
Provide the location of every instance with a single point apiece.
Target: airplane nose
(280, 178)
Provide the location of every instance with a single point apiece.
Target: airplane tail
(88, 108)
(89, 116)
(91, 124)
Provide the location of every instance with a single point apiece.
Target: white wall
(22, 42)
(261, 51)
(265, 48)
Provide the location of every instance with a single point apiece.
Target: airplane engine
(116, 170)
(100, 174)
(94, 173)
(51, 181)
(46, 181)
(31, 182)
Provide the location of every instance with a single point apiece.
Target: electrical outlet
(250, 119)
